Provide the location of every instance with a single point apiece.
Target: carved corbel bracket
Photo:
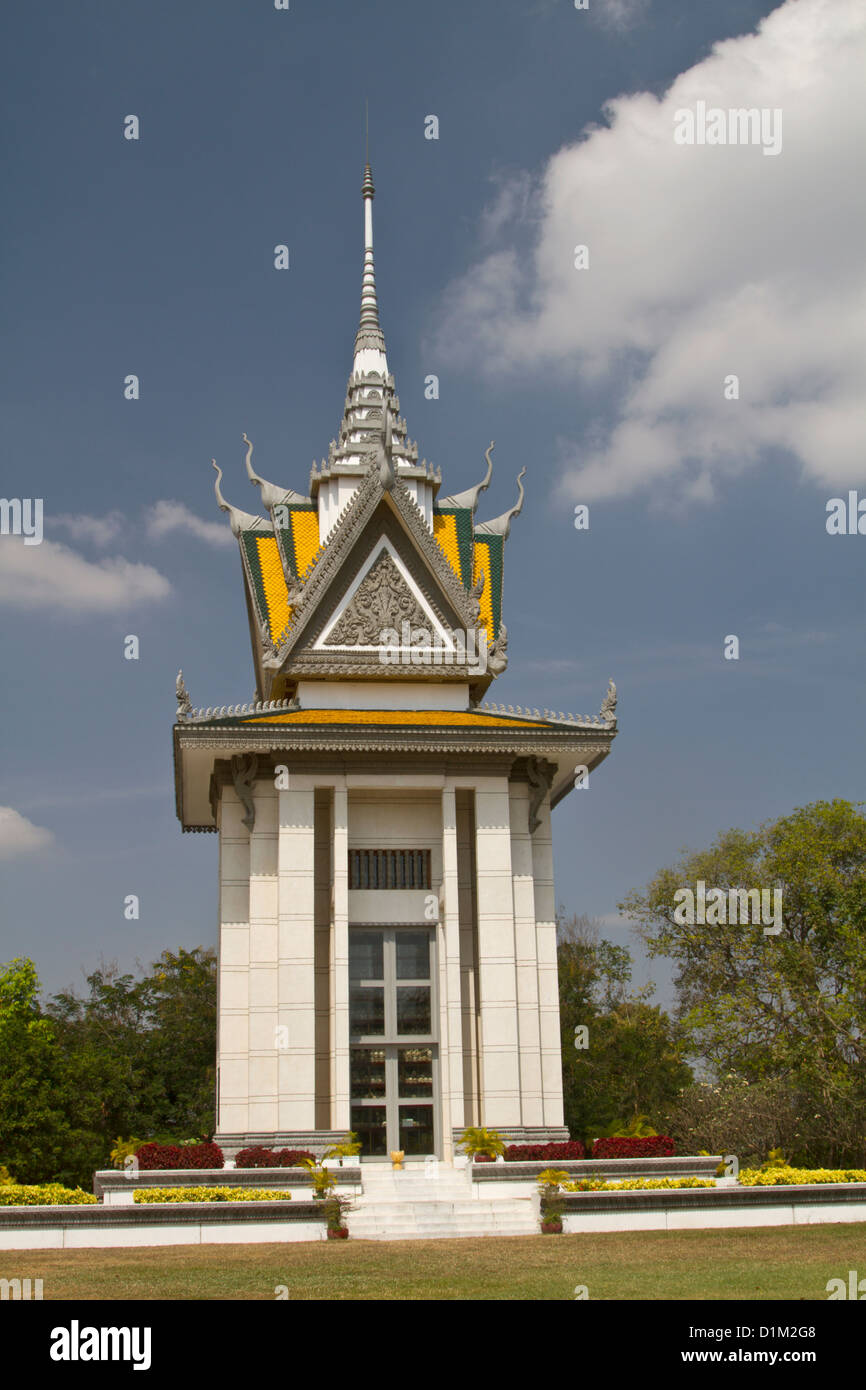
(244, 767)
(540, 773)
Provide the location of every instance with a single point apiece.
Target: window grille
(389, 868)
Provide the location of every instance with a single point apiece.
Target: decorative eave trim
(385, 739)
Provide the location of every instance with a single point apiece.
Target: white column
(451, 1018)
(548, 978)
(340, 975)
(264, 978)
(234, 958)
(531, 1102)
(500, 1055)
(297, 1063)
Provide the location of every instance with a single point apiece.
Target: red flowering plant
(260, 1157)
(153, 1156)
(535, 1153)
(634, 1146)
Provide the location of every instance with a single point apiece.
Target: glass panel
(416, 1129)
(415, 1072)
(367, 1010)
(413, 955)
(366, 955)
(368, 1122)
(413, 1009)
(368, 1073)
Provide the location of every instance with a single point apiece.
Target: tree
(157, 1036)
(34, 1130)
(134, 1057)
(766, 1006)
(631, 1064)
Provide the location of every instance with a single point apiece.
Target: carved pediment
(383, 601)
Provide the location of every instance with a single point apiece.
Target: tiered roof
(373, 547)
(285, 549)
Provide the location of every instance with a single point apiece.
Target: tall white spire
(372, 432)
(369, 339)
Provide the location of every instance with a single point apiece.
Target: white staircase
(407, 1205)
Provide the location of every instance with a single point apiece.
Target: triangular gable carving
(354, 522)
(381, 603)
(381, 600)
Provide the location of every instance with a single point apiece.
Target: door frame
(391, 1042)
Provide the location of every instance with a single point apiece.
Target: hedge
(784, 1177)
(634, 1146)
(209, 1194)
(151, 1156)
(634, 1184)
(260, 1157)
(531, 1153)
(46, 1194)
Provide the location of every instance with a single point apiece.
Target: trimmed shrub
(634, 1184)
(260, 1157)
(784, 1177)
(648, 1146)
(540, 1153)
(151, 1156)
(46, 1194)
(209, 1194)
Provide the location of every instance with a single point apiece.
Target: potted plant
(550, 1200)
(324, 1181)
(349, 1147)
(337, 1205)
(478, 1143)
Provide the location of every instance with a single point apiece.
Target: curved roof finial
(469, 498)
(501, 525)
(238, 520)
(272, 496)
(381, 455)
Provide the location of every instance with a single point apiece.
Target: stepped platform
(418, 1204)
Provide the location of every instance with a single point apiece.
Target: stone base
(525, 1134)
(316, 1141)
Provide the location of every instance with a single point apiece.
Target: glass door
(392, 1027)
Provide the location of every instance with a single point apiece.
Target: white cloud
(164, 517)
(18, 835)
(705, 261)
(52, 576)
(97, 530)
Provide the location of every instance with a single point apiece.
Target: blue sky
(707, 517)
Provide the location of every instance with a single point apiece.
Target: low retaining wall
(695, 1208)
(611, 1169)
(114, 1188)
(181, 1223)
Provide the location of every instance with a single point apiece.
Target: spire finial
(369, 334)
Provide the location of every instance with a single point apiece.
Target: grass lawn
(765, 1263)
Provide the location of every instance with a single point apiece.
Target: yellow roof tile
(434, 718)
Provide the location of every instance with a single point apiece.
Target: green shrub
(123, 1149)
(209, 1194)
(775, 1159)
(324, 1181)
(550, 1183)
(46, 1194)
(475, 1141)
(349, 1147)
